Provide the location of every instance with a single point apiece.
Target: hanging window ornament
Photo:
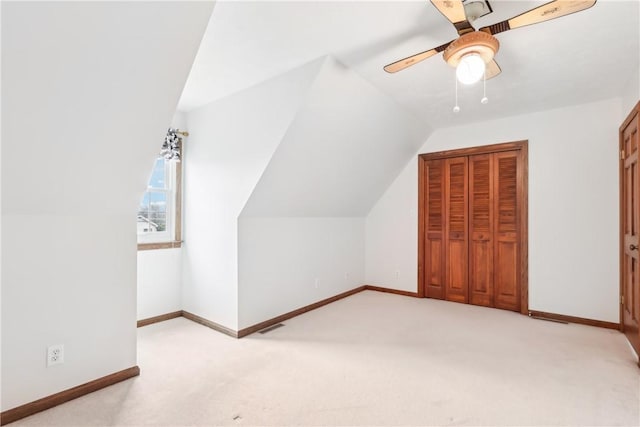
(172, 142)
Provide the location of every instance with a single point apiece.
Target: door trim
(523, 177)
(634, 111)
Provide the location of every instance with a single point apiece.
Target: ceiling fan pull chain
(484, 99)
(456, 108)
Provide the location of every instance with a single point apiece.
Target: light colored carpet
(373, 359)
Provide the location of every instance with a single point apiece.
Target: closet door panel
(481, 230)
(473, 209)
(506, 214)
(434, 259)
(456, 227)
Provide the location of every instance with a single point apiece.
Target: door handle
(633, 247)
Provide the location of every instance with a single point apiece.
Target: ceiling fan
(473, 51)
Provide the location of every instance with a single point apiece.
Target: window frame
(173, 237)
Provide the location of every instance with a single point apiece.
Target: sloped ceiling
(233, 140)
(575, 59)
(88, 90)
(345, 145)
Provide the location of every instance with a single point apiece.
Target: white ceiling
(579, 58)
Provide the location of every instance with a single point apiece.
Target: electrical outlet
(315, 285)
(55, 354)
(346, 276)
(397, 274)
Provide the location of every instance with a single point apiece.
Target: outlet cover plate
(55, 355)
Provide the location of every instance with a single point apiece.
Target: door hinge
(621, 299)
(622, 155)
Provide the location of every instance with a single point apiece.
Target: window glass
(154, 223)
(158, 175)
(153, 211)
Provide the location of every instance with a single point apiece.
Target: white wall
(159, 282)
(230, 144)
(631, 91)
(392, 235)
(280, 260)
(631, 94)
(573, 208)
(88, 91)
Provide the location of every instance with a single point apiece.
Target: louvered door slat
(481, 230)
(456, 211)
(434, 258)
(506, 265)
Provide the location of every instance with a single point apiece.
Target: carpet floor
(372, 359)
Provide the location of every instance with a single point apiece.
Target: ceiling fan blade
(453, 10)
(546, 12)
(492, 70)
(409, 61)
(400, 65)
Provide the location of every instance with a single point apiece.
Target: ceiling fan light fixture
(478, 42)
(470, 69)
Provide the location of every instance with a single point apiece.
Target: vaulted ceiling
(579, 58)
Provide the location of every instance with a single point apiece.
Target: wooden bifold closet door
(472, 223)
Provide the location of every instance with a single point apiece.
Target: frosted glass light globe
(470, 69)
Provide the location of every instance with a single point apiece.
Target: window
(159, 216)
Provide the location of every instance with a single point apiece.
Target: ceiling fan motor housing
(479, 42)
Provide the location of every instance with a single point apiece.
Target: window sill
(159, 245)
